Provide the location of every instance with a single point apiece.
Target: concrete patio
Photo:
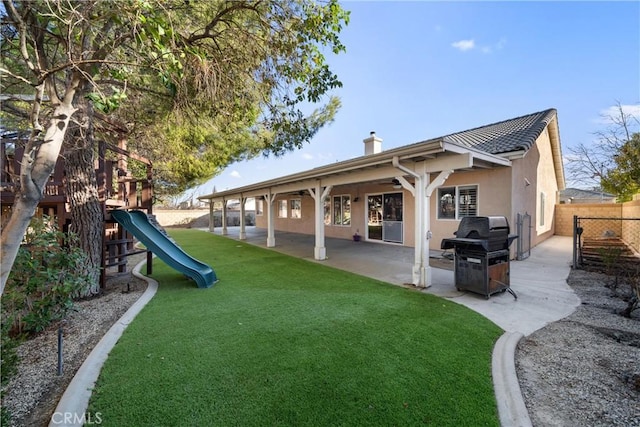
(539, 281)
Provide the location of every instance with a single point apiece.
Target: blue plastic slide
(137, 223)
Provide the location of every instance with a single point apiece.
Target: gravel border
(33, 392)
(583, 370)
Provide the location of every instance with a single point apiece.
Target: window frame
(295, 211)
(343, 198)
(283, 203)
(455, 193)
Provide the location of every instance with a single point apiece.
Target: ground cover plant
(285, 341)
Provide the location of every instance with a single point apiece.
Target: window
(447, 200)
(542, 202)
(282, 208)
(457, 202)
(296, 208)
(327, 211)
(259, 207)
(468, 198)
(342, 210)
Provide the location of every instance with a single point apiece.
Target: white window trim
(333, 216)
(259, 207)
(292, 210)
(457, 200)
(286, 211)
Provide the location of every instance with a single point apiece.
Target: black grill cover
(484, 233)
(483, 227)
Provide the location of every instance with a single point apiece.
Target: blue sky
(422, 69)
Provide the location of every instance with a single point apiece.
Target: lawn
(281, 341)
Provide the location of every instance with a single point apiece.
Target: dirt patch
(583, 370)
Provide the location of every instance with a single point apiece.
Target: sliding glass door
(385, 212)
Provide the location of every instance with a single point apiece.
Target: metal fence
(606, 242)
(523, 227)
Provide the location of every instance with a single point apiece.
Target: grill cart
(481, 248)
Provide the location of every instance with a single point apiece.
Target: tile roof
(506, 136)
(578, 193)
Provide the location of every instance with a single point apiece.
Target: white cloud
(631, 111)
(307, 156)
(464, 45)
(235, 174)
(499, 45)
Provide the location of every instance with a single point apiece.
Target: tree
(623, 180)
(594, 165)
(228, 78)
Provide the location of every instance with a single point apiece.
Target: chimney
(372, 145)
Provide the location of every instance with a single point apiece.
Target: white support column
(243, 233)
(421, 271)
(224, 217)
(428, 191)
(319, 195)
(212, 224)
(271, 238)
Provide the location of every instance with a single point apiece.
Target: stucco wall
(493, 199)
(547, 185)
(565, 212)
(169, 217)
(306, 224)
(631, 228)
(628, 228)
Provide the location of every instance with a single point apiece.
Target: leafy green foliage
(623, 180)
(41, 287)
(39, 291)
(107, 104)
(197, 84)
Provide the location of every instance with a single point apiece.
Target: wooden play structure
(117, 188)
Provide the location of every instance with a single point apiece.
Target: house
(415, 195)
(577, 195)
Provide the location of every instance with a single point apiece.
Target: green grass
(281, 341)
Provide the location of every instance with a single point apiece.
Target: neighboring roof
(577, 193)
(506, 136)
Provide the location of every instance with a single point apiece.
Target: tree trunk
(87, 220)
(38, 163)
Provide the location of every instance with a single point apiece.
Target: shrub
(44, 279)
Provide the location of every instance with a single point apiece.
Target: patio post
(212, 224)
(319, 195)
(224, 217)
(271, 238)
(243, 233)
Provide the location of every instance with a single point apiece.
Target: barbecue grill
(482, 255)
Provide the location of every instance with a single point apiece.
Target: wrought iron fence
(606, 242)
